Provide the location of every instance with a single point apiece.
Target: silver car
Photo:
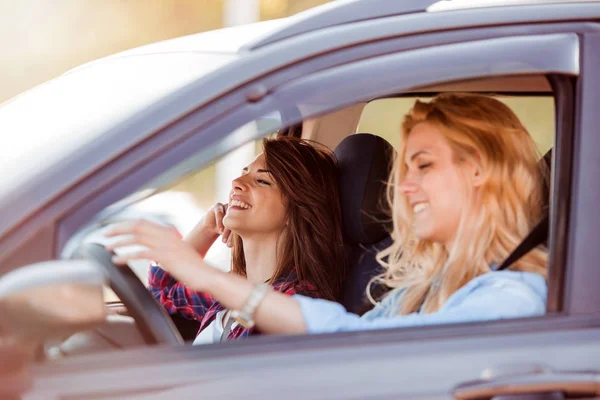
(116, 130)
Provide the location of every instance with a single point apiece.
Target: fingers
(138, 255)
(142, 230)
(226, 235)
(130, 241)
(220, 211)
(139, 227)
(230, 240)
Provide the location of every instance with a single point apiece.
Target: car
(116, 130)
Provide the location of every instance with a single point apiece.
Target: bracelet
(245, 316)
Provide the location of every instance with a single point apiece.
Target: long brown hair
(307, 175)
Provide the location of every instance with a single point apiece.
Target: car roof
(347, 11)
(450, 5)
(237, 40)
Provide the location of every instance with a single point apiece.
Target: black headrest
(365, 161)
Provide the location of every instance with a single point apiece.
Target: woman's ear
(476, 173)
(478, 181)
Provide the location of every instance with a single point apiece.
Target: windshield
(42, 126)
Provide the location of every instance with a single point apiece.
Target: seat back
(365, 161)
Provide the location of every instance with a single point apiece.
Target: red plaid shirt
(200, 306)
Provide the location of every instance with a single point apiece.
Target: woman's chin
(231, 224)
(424, 234)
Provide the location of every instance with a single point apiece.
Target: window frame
(561, 176)
(301, 86)
(121, 185)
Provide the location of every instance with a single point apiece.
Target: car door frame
(577, 326)
(279, 90)
(581, 297)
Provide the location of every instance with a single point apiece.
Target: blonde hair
(507, 206)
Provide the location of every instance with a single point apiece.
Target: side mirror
(51, 300)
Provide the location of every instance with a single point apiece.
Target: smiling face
(256, 205)
(434, 184)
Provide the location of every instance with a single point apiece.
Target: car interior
(364, 137)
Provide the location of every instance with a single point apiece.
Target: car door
(517, 356)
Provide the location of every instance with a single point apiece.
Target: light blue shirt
(492, 296)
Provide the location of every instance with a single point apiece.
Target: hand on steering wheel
(164, 246)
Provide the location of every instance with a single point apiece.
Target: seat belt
(537, 236)
(227, 327)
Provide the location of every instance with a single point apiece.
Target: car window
(181, 203)
(303, 101)
(382, 117)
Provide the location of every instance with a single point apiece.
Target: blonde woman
(465, 190)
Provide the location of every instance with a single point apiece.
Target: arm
(493, 297)
(496, 298)
(278, 313)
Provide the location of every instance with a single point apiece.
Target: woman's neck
(261, 258)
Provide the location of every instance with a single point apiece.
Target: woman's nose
(408, 187)
(239, 183)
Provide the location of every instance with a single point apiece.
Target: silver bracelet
(245, 316)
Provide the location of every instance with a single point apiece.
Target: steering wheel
(151, 318)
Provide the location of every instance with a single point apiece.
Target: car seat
(365, 161)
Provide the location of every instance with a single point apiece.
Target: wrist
(203, 279)
(245, 315)
(202, 238)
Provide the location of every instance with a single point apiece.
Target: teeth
(417, 208)
(240, 204)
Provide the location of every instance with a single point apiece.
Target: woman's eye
(263, 182)
(425, 165)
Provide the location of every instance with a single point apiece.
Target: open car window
(204, 186)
